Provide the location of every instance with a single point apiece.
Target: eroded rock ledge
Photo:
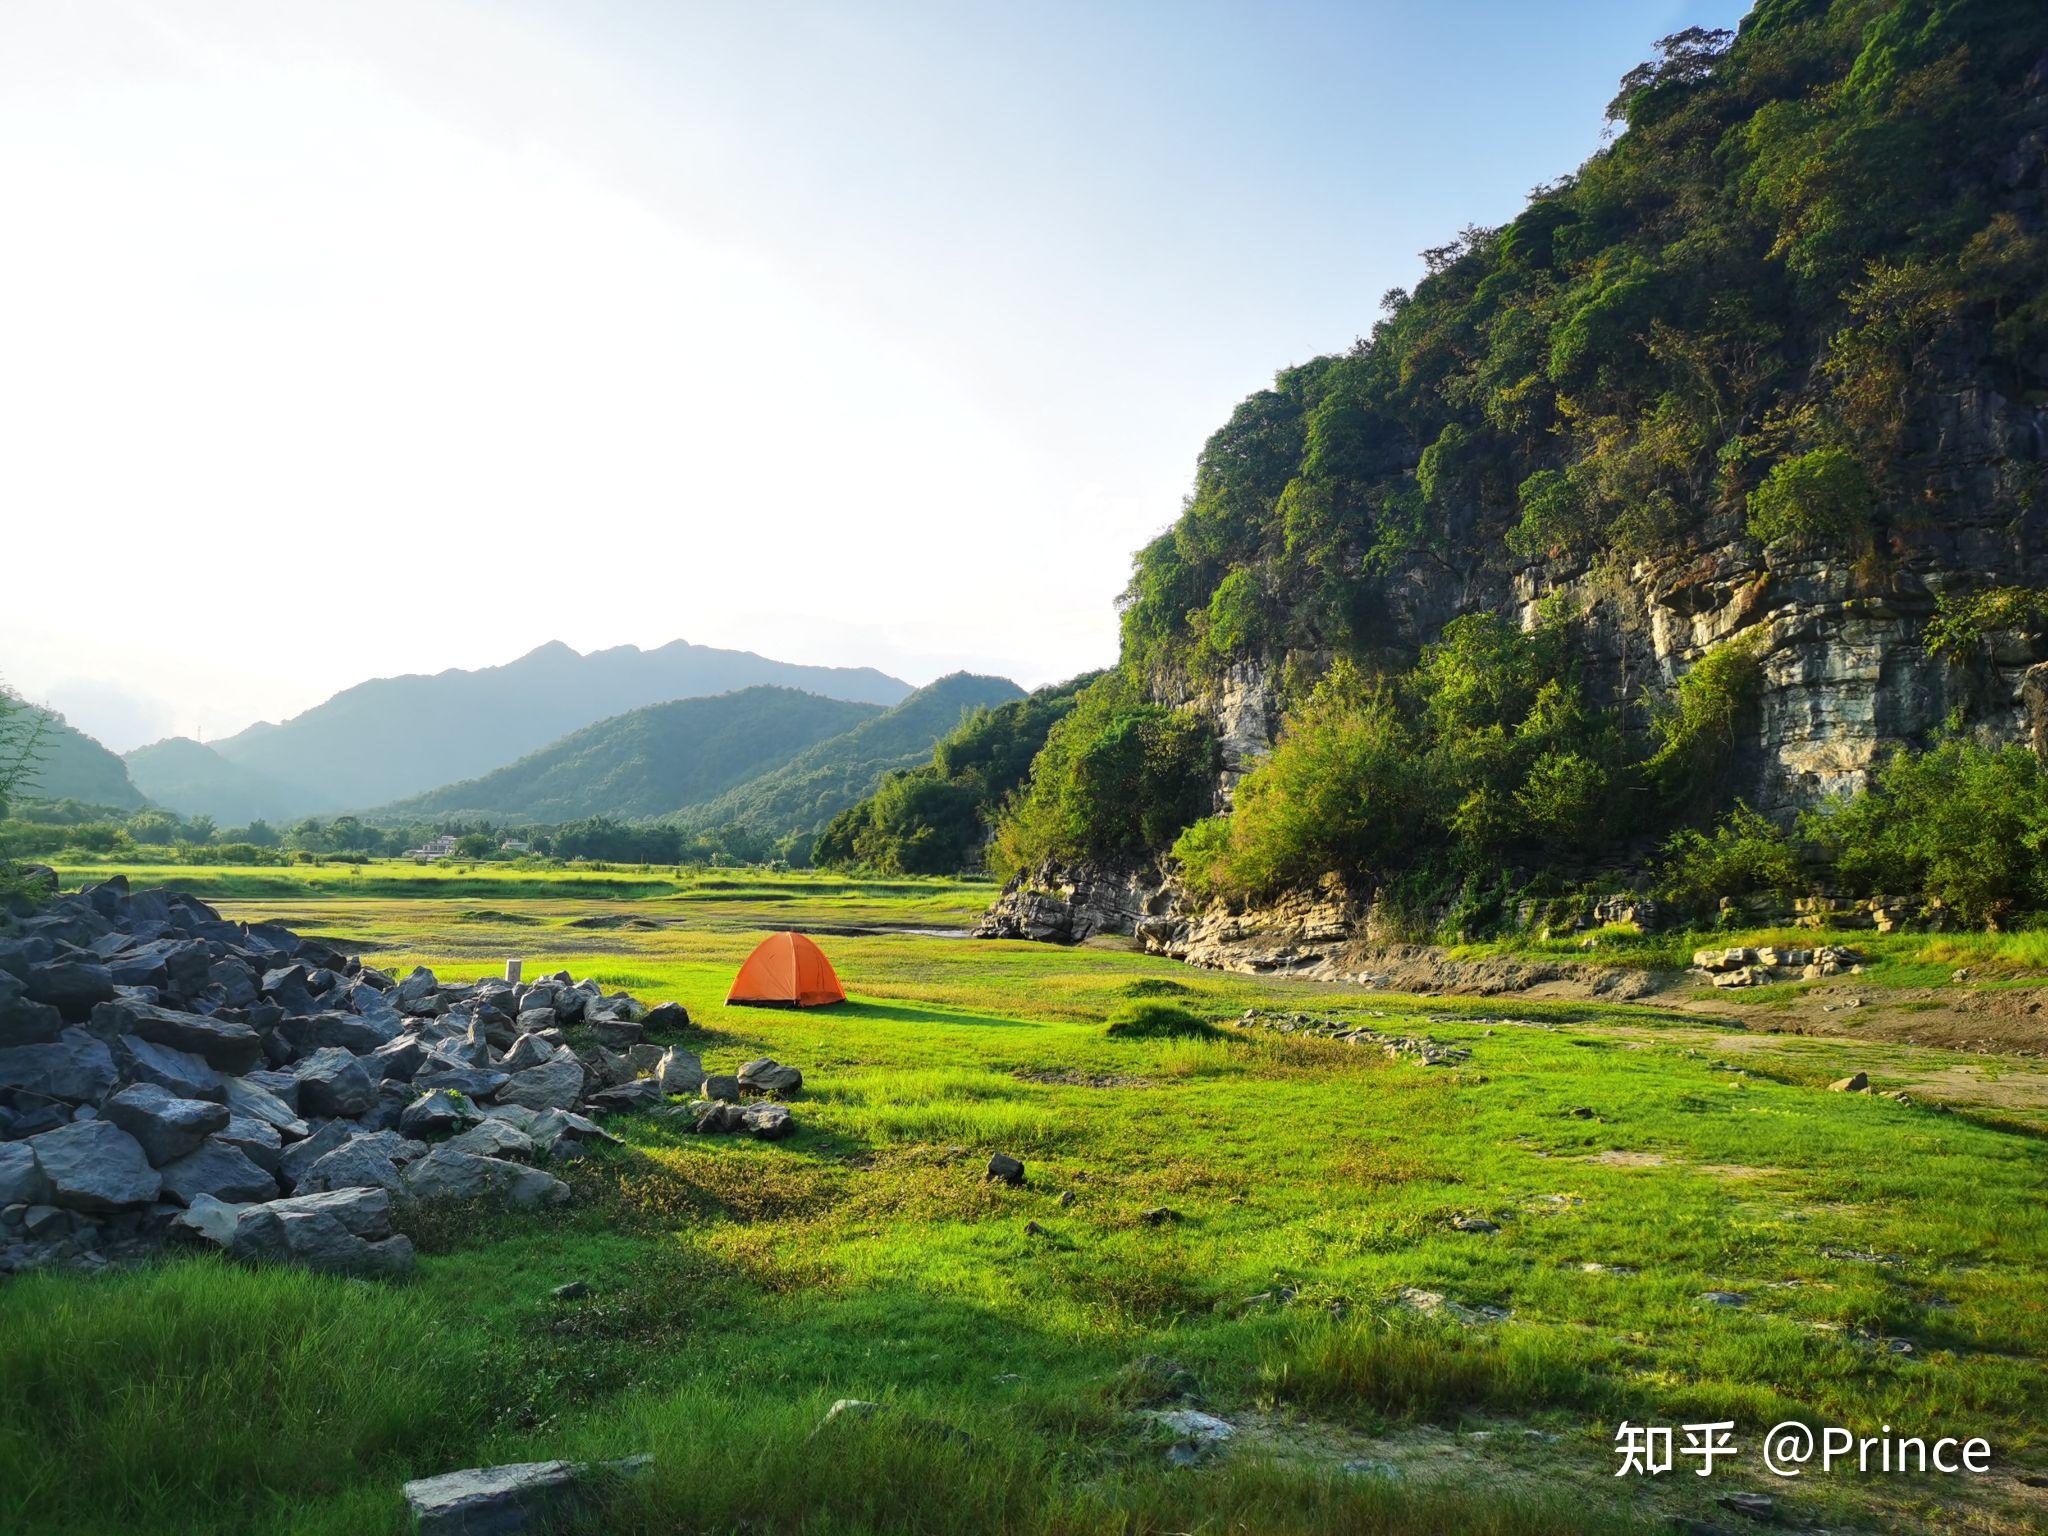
(1322, 936)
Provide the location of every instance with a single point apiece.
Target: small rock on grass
(1159, 1216)
(1472, 1224)
(1724, 1298)
(1757, 1506)
(845, 1409)
(1370, 1469)
(1199, 1435)
(572, 1291)
(1006, 1168)
(1856, 1082)
(504, 1501)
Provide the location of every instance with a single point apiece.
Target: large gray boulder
(72, 987)
(352, 1033)
(259, 1103)
(530, 1021)
(667, 1018)
(494, 1138)
(226, 1044)
(554, 1084)
(641, 1093)
(446, 1174)
(237, 986)
(220, 1170)
(344, 1231)
(397, 1060)
(21, 1182)
(302, 1155)
(94, 1165)
(440, 1113)
(355, 1164)
(167, 1126)
(258, 1142)
(333, 1082)
(23, 1021)
(603, 1068)
(767, 1122)
(176, 1072)
(680, 1071)
(527, 1051)
(553, 1130)
(470, 1082)
(769, 1076)
(415, 994)
(76, 1067)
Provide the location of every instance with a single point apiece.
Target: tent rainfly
(786, 970)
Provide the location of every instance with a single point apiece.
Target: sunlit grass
(1247, 1206)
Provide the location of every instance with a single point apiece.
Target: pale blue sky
(398, 336)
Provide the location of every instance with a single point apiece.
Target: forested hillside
(792, 803)
(647, 762)
(189, 777)
(61, 762)
(1717, 473)
(935, 819)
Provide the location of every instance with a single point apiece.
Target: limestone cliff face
(1848, 677)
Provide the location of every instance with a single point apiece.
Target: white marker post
(512, 970)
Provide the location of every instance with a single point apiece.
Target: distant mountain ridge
(191, 778)
(388, 738)
(805, 793)
(647, 762)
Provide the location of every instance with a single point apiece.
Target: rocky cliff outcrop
(1848, 676)
(1326, 935)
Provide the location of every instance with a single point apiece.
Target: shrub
(1824, 495)
(1339, 792)
(1554, 521)
(1744, 855)
(1697, 729)
(1963, 823)
(1961, 620)
(1118, 777)
(1149, 1019)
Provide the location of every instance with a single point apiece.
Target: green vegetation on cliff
(935, 819)
(1117, 778)
(1757, 318)
(1735, 314)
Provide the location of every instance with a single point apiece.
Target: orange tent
(786, 970)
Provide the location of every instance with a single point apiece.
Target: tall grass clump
(1146, 1019)
(1393, 1368)
(193, 1393)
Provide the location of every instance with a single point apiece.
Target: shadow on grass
(922, 1013)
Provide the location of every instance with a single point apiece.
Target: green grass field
(1631, 1161)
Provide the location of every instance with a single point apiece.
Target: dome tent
(786, 970)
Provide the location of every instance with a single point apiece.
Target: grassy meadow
(1226, 1223)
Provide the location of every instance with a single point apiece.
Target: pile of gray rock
(166, 1074)
(1318, 1026)
(1745, 967)
(724, 1104)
